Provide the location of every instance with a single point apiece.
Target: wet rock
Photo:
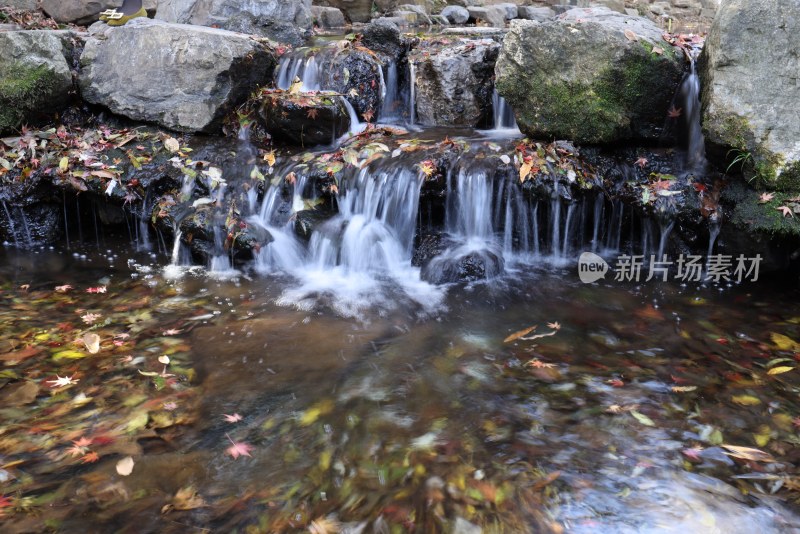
(454, 83)
(202, 73)
(31, 212)
(355, 73)
(217, 12)
(383, 36)
(413, 14)
(463, 264)
(304, 119)
(760, 126)
(456, 14)
(511, 10)
(281, 31)
(581, 77)
(84, 11)
(328, 17)
(306, 221)
(354, 10)
(491, 15)
(35, 76)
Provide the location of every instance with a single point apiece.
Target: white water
(504, 119)
(695, 143)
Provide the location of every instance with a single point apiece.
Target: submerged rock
(750, 91)
(454, 83)
(464, 264)
(306, 119)
(35, 76)
(200, 74)
(592, 76)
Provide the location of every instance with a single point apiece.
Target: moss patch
(748, 213)
(22, 89)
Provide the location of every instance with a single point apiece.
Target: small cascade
(356, 126)
(176, 249)
(504, 119)
(412, 93)
(690, 101)
(391, 110)
(298, 65)
(11, 225)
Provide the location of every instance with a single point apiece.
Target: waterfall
(695, 143)
(412, 91)
(504, 119)
(298, 65)
(391, 109)
(12, 227)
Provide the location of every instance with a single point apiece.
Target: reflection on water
(396, 423)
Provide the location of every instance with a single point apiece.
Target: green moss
(21, 91)
(751, 214)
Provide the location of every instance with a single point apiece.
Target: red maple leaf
(368, 115)
(674, 113)
(232, 418)
(312, 113)
(90, 458)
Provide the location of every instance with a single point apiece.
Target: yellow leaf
(269, 157)
(746, 400)
(779, 370)
(63, 165)
(747, 453)
(784, 342)
(69, 355)
(313, 413)
(683, 389)
(524, 171)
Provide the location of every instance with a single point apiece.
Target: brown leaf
(519, 334)
(631, 36)
(747, 453)
(19, 394)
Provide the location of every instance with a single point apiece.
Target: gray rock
(512, 11)
(216, 12)
(540, 14)
(454, 83)
(25, 5)
(354, 10)
(456, 14)
(35, 76)
(355, 73)
(579, 77)
(491, 15)
(440, 20)
(415, 15)
(84, 11)
(751, 88)
(182, 77)
(328, 17)
(281, 31)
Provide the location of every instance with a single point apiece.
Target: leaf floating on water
(519, 334)
(747, 453)
(785, 342)
(92, 342)
(746, 400)
(69, 355)
(238, 448)
(125, 466)
(642, 418)
(779, 370)
(324, 525)
(683, 389)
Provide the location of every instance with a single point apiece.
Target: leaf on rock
(631, 35)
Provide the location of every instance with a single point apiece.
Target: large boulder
(454, 83)
(591, 75)
(384, 37)
(183, 77)
(84, 11)
(306, 119)
(217, 12)
(35, 76)
(750, 94)
(356, 73)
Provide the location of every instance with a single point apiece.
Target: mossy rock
(593, 76)
(35, 78)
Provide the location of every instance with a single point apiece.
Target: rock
(579, 77)
(491, 15)
(84, 11)
(354, 10)
(355, 73)
(613, 5)
(23, 5)
(182, 77)
(217, 12)
(463, 264)
(277, 30)
(750, 89)
(440, 20)
(512, 11)
(328, 17)
(540, 14)
(304, 119)
(456, 14)
(35, 76)
(454, 83)
(414, 15)
(384, 37)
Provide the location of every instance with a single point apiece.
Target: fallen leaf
(642, 418)
(125, 466)
(172, 144)
(232, 418)
(520, 333)
(746, 400)
(785, 342)
(238, 448)
(747, 453)
(92, 342)
(187, 499)
(786, 210)
(765, 197)
(631, 36)
(779, 370)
